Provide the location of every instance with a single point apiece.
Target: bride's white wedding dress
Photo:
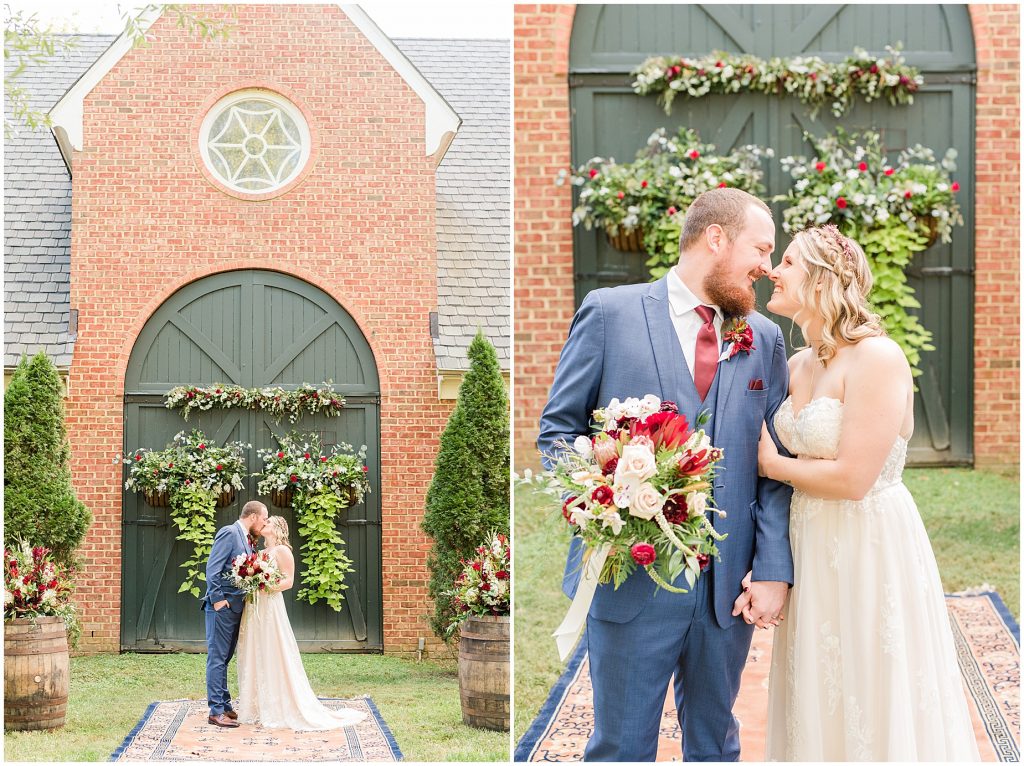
(863, 667)
(273, 689)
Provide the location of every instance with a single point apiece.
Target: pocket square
(756, 385)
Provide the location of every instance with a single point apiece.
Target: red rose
(306, 455)
(694, 154)
(955, 187)
(501, 574)
(889, 171)
(704, 560)
(476, 566)
(672, 210)
(862, 167)
(280, 454)
(620, 195)
(220, 467)
(202, 446)
(874, 69)
(819, 166)
(294, 477)
(218, 391)
(485, 586)
(566, 512)
(643, 554)
(722, 185)
(602, 494)
(170, 465)
(813, 76)
(593, 172)
(841, 203)
(643, 184)
(334, 474)
(138, 457)
(323, 459)
(719, 64)
(906, 194)
(366, 469)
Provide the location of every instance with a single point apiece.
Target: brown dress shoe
(231, 714)
(222, 720)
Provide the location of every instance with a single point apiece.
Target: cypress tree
(39, 504)
(469, 494)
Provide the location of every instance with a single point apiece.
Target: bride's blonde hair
(839, 266)
(280, 527)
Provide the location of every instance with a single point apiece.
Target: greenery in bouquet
(483, 586)
(651, 194)
(640, 488)
(892, 209)
(37, 586)
(193, 473)
(815, 82)
(278, 402)
(323, 484)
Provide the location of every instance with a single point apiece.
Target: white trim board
(442, 123)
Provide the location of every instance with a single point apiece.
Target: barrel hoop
(34, 650)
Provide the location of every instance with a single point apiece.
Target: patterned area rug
(178, 731)
(988, 648)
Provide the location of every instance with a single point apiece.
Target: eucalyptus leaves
(305, 399)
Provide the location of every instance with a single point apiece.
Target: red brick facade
(543, 230)
(360, 225)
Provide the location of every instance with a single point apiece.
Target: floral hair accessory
(741, 336)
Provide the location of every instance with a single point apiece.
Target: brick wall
(543, 230)
(146, 221)
(997, 235)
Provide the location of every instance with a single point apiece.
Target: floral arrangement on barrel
(814, 81)
(640, 205)
(278, 402)
(194, 477)
(319, 485)
(483, 586)
(35, 586)
(893, 209)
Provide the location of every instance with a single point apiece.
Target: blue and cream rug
(178, 731)
(988, 648)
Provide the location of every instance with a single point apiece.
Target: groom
(223, 604)
(666, 339)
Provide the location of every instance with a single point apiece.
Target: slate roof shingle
(473, 204)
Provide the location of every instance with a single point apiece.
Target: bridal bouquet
(638, 489)
(254, 573)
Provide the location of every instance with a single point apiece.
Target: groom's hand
(220, 605)
(766, 601)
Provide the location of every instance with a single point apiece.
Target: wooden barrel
(484, 672)
(36, 670)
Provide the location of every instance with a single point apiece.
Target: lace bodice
(815, 431)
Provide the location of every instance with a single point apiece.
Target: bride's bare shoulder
(799, 359)
(880, 353)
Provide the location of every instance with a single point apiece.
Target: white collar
(681, 297)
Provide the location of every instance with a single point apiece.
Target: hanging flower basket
(226, 498)
(929, 226)
(282, 498)
(156, 499)
(627, 242)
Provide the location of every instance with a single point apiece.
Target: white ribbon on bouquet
(567, 634)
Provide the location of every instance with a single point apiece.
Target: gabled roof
(37, 215)
(441, 122)
(473, 205)
(473, 195)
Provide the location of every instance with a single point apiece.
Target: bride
(863, 666)
(273, 690)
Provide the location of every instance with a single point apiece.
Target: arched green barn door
(254, 329)
(609, 120)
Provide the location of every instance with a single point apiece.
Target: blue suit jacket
(228, 543)
(622, 343)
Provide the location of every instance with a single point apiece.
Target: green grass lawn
(972, 517)
(109, 694)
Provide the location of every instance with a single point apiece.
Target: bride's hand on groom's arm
(767, 453)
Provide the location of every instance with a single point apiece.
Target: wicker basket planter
(627, 242)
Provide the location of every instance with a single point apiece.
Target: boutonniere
(740, 337)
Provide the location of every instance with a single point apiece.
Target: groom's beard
(734, 300)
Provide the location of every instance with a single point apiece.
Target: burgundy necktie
(705, 359)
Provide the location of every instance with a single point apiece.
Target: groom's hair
(252, 508)
(726, 207)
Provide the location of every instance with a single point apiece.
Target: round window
(254, 141)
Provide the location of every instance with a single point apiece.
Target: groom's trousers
(631, 664)
(221, 637)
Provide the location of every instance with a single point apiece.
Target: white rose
(647, 501)
(633, 408)
(636, 464)
(583, 446)
(696, 503)
(651, 404)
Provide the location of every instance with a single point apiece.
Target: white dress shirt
(687, 322)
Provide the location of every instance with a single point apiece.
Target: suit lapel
(668, 357)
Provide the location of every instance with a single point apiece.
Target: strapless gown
(273, 689)
(863, 667)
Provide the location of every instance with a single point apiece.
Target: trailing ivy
(323, 549)
(193, 510)
(814, 81)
